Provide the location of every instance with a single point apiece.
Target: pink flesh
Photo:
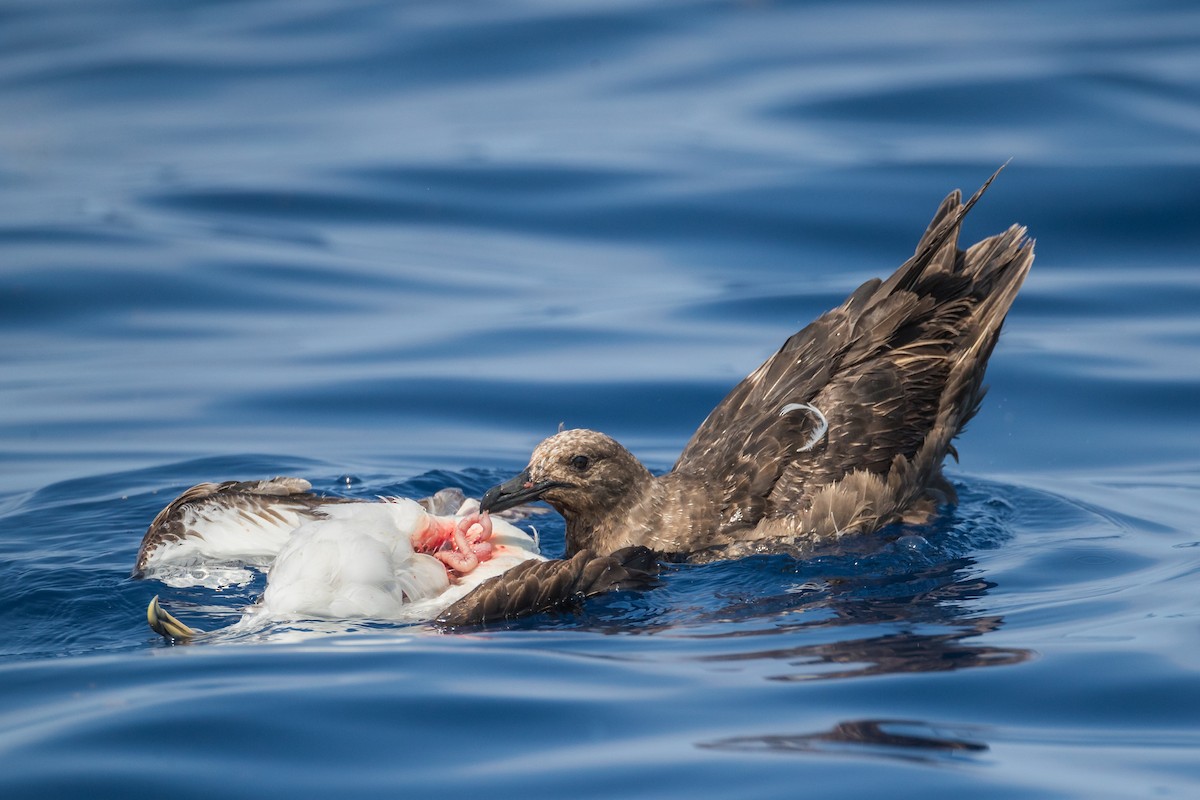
(460, 545)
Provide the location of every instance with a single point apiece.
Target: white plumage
(359, 563)
(326, 558)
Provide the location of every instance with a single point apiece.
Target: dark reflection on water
(901, 739)
(933, 636)
(909, 601)
(888, 654)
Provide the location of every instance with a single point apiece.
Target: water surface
(389, 248)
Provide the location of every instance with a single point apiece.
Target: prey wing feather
(250, 506)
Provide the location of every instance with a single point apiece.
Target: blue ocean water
(389, 247)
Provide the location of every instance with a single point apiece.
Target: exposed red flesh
(459, 544)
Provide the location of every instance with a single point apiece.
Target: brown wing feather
(900, 360)
(937, 385)
(535, 586)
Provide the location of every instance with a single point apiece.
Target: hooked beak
(516, 491)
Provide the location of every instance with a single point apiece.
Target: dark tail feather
(932, 248)
(999, 266)
(535, 586)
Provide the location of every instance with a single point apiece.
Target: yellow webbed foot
(166, 625)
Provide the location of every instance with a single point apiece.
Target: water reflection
(924, 622)
(887, 654)
(903, 740)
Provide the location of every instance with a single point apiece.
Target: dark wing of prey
(881, 368)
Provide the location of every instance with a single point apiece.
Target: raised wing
(235, 522)
(897, 360)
